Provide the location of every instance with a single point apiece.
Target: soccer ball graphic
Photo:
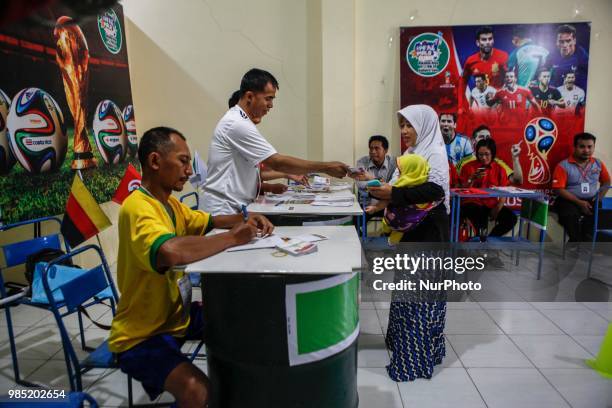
(109, 132)
(7, 160)
(130, 126)
(36, 131)
(540, 134)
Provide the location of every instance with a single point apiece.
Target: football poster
(526, 84)
(65, 107)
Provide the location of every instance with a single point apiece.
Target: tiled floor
(499, 354)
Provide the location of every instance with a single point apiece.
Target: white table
(254, 307)
(270, 208)
(340, 253)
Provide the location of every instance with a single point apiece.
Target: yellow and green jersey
(150, 302)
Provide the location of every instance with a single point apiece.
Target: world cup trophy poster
(65, 106)
(524, 85)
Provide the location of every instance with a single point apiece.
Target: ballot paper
(274, 240)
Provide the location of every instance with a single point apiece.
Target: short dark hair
(489, 143)
(584, 136)
(520, 31)
(453, 114)
(156, 139)
(233, 100)
(481, 75)
(255, 80)
(479, 128)
(483, 30)
(379, 138)
(566, 29)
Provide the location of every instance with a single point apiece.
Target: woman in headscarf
(415, 330)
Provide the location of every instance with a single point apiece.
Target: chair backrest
(16, 253)
(535, 212)
(606, 203)
(603, 215)
(197, 199)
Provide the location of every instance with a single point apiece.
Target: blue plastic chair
(16, 254)
(197, 199)
(533, 213)
(81, 292)
(599, 227)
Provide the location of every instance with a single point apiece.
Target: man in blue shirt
(570, 58)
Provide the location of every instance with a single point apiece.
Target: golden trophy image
(73, 59)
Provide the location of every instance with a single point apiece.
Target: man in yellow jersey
(155, 315)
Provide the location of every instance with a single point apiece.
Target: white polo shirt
(235, 152)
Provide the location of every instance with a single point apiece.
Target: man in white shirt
(572, 95)
(237, 148)
(480, 91)
(458, 146)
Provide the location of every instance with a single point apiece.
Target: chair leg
(563, 243)
(130, 394)
(81, 331)
(591, 254)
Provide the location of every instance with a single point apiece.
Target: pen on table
(245, 213)
(279, 203)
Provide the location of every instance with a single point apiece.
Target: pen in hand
(245, 213)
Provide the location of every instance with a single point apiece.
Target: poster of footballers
(65, 107)
(523, 85)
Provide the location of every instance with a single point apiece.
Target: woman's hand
(364, 176)
(382, 193)
(299, 178)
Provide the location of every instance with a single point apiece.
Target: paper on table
(259, 243)
(275, 240)
(332, 203)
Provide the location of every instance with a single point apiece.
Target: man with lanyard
(237, 149)
(155, 315)
(575, 180)
(458, 147)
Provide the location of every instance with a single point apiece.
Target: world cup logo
(72, 57)
(540, 135)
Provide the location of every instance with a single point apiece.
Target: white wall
(377, 54)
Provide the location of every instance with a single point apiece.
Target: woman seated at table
(485, 173)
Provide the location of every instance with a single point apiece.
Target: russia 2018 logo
(110, 31)
(540, 134)
(428, 54)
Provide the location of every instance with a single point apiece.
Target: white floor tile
(383, 318)
(506, 305)
(450, 360)
(583, 388)
(487, 350)
(462, 305)
(558, 305)
(606, 314)
(37, 343)
(376, 389)
(552, 351)
(449, 387)
(372, 351)
(54, 374)
(578, 321)
(7, 375)
(470, 322)
(382, 305)
(598, 305)
(368, 322)
(367, 305)
(523, 322)
(515, 387)
(590, 342)
(24, 316)
(111, 390)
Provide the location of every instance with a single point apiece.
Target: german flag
(83, 217)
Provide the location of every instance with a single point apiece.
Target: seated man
(515, 174)
(377, 165)
(485, 173)
(575, 181)
(156, 233)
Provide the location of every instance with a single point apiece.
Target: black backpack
(44, 255)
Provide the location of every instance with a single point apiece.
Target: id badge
(184, 285)
(584, 187)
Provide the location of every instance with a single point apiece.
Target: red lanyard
(585, 172)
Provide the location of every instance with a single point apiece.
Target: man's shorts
(151, 361)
